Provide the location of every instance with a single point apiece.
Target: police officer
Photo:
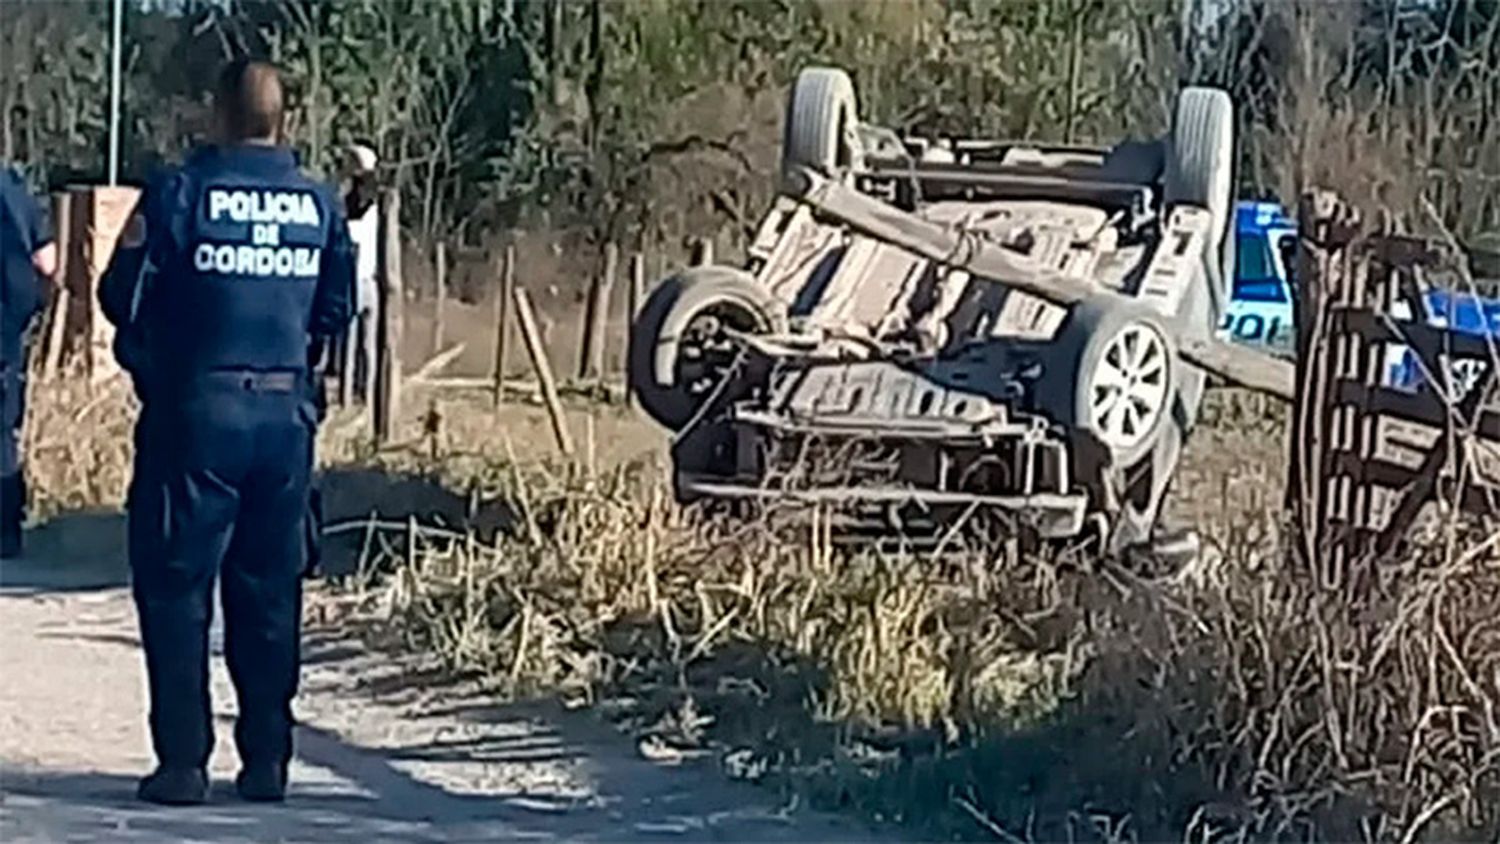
(27, 254)
(238, 266)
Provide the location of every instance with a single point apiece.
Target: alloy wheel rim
(1128, 388)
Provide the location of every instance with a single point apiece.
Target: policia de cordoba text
(265, 212)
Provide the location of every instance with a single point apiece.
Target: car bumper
(1051, 515)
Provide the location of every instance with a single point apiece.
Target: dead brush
(1375, 721)
(78, 445)
(593, 549)
(1033, 696)
(604, 592)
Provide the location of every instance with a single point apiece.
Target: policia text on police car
(236, 265)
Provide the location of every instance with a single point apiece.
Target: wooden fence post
(507, 277)
(57, 328)
(1327, 228)
(532, 338)
(442, 295)
(596, 317)
(106, 211)
(635, 294)
(392, 297)
(347, 355)
(703, 252)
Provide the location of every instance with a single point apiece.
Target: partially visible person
(242, 265)
(28, 257)
(359, 360)
(318, 355)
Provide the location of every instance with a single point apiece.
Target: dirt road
(386, 751)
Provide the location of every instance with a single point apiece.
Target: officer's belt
(255, 382)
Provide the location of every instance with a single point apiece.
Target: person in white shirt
(359, 358)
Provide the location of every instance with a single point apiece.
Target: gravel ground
(387, 750)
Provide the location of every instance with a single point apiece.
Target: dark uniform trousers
(222, 473)
(23, 230)
(12, 481)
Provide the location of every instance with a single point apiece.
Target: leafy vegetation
(651, 120)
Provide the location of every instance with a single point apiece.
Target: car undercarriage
(926, 327)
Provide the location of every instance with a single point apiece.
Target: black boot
(261, 783)
(174, 786)
(12, 514)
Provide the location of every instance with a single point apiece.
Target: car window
(1255, 276)
(1286, 246)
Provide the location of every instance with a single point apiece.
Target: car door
(1259, 313)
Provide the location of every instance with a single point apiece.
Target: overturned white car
(925, 328)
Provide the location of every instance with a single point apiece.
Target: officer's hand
(317, 355)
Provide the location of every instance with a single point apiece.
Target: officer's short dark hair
(249, 98)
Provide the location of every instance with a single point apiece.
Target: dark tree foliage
(647, 118)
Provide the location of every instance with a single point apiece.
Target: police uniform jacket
(235, 261)
(23, 230)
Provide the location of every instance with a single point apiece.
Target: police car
(1259, 312)
(1461, 313)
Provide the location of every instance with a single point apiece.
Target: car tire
(730, 295)
(1200, 168)
(1111, 378)
(1200, 172)
(822, 120)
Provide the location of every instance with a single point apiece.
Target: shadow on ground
(352, 496)
(86, 550)
(99, 807)
(79, 551)
(389, 753)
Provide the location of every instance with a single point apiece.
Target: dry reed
(996, 693)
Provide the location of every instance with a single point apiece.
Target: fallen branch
(437, 363)
(365, 523)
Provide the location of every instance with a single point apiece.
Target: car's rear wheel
(1111, 377)
(1200, 172)
(822, 124)
(681, 346)
(1200, 168)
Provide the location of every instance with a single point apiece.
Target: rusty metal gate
(1369, 449)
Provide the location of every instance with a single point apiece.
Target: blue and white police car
(1461, 313)
(1259, 313)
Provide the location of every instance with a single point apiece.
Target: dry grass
(1040, 698)
(78, 444)
(997, 694)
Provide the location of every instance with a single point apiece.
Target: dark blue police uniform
(234, 266)
(23, 230)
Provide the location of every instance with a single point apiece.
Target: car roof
(1258, 217)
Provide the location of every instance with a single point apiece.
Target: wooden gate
(1392, 410)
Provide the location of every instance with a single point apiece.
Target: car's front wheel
(681, 343)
